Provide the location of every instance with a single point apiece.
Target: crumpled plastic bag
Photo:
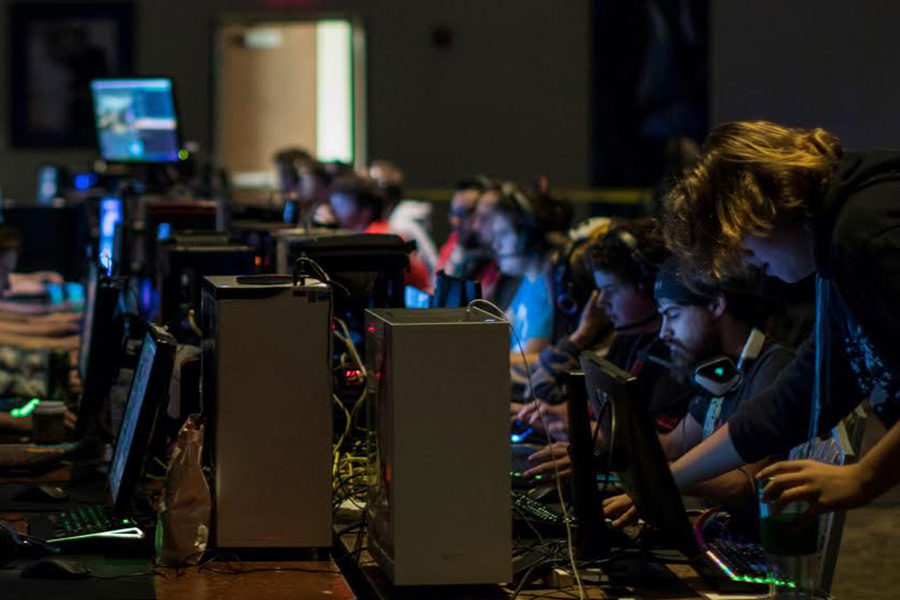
(182, 529)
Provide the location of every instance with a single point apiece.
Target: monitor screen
(416, 298)
(133, 410)
(110, 215)
(48, 184)
(136, 120)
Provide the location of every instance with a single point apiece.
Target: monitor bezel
(155, 396)
(645, 472)
(102, 362)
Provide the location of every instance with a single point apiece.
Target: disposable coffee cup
(48, 422)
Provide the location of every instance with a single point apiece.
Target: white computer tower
(439, 509)
(266, 371)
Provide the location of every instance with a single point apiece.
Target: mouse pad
(88, 492)
(125, 587)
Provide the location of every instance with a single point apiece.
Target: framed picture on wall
(56, 49)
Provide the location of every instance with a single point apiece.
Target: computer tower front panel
(440, 508)
(271, 416)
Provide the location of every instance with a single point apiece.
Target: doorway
(282, 84)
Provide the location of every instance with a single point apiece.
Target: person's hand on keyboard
(540, 414)
(551, 461)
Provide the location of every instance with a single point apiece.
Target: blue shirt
(531, 311)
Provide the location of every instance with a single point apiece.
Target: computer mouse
(41, 493)
(56, 568)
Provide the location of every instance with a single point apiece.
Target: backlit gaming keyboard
(526, 507)
(741, 561)
(91, 522)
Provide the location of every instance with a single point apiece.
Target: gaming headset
(563, 284)
(622, 237)
(564, 287)
(532, 235)
(719, 376)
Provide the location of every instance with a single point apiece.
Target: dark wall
(831, 63)
(510, 96)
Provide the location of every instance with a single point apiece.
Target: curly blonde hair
(751, 176)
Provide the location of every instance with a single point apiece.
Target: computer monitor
(49, 184)
(368, 269)
(590, 538)
(111, 214)
(163, 219)
(183, 265)
(136, 120)
(149, 388)
(633, 449)
(413, 297)
(100, 349)
(454, 292)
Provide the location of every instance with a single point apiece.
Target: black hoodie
(857, 248)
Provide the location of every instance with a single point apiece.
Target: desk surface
(370, 579)
(308, 580)
(134, 578)
(229, 581)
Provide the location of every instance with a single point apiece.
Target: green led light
(720, 371)
(26, 410)
(183, 154)
(537, 476)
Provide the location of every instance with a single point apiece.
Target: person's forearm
(878, 468)
(712, 457)
(734, 489)
(731, 490)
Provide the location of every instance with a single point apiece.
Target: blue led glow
(84, 181)
(163, 232)
(517, 438)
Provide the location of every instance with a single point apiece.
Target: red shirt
(417, 275)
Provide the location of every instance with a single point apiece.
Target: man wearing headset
(520, 241)
(713, 342)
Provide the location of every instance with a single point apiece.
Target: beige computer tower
(439, 508)
(266, 370)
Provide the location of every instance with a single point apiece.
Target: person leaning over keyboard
(703, 323)
(792, 203)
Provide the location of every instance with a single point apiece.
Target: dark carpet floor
(868, 566)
